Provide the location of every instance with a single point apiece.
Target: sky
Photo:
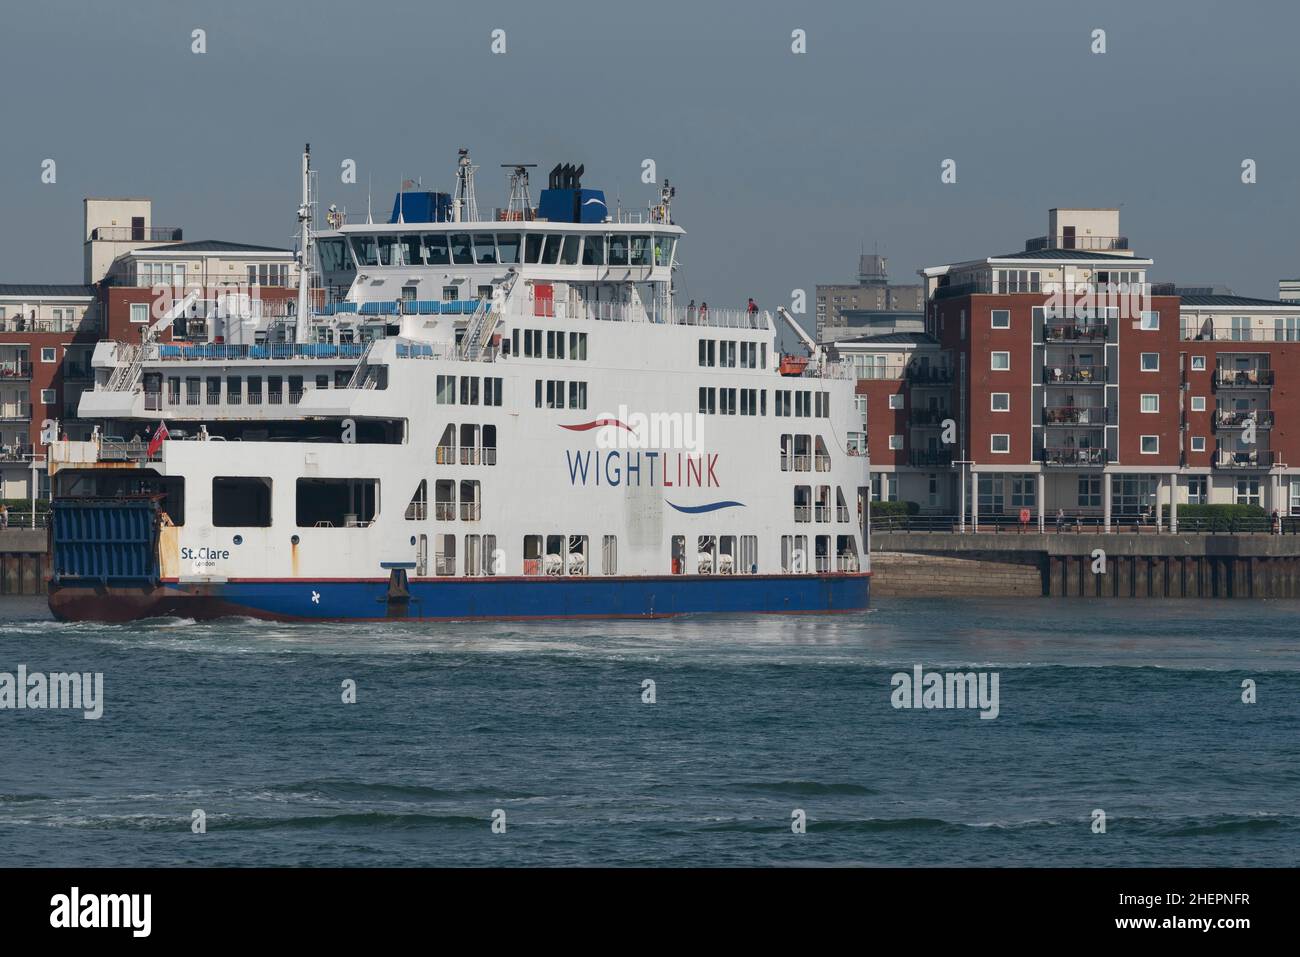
(786, 164)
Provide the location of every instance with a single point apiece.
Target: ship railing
(841, 513)
(469, 511)
(802, 463)
(444, 511)
(822, 563)
(489, 456)
(822, 463)
(802, 513)
(823, 513)
(445, 455)
(846, 563)
(469, 456)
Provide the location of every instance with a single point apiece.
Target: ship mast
(465, 207)
(302, 328)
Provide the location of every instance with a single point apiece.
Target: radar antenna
(520, 204)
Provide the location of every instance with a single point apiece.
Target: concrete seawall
(24, 561)
(1086, 565)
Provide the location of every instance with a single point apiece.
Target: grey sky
(785, 164)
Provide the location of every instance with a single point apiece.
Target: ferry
(466, 417)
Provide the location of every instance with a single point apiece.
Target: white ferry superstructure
(501, 418)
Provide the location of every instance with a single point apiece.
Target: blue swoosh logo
(711, 507)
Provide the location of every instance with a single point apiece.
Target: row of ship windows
(732, 401)
(806, 509)
(550, 394)
(490, 249)
(478, 446)
(532, 345)
(803, 453)
(470, 390)
(729, 354)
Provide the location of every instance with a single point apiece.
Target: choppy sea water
(1131, 707)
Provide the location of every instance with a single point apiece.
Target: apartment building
(1068, 380)
(873, 303)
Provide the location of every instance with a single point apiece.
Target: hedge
(879, 509)
(1224, 511)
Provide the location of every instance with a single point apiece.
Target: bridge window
(569, 255)
(533, 248)
(241, 502)
(461, 255)
(337, 503)
(411, 251)
(366, 250)
(640, 250)
(435, 249)
(386, 244)
(617, 250)
(551, 252)
(593, 251)
(485, 249)
(664, 250)
(508, 247)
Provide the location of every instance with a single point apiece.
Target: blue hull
(484, 598)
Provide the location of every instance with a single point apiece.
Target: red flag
(159, 437)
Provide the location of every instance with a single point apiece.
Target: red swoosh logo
(596, 424)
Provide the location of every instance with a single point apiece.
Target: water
(1133, 707)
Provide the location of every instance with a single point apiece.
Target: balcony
(1074, 457)
(15, 369)
(928, 375)
(1076, 375)
(1101, 244)
(1243, 459)
(1075, 415)
(136, 234)
(1243, 378)
(926, 459)
(932, 418)
(1228, 419)
(1075, 331)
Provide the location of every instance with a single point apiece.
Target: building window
(895, 442)
(896, 401)
(1150, 403)
(47, 397)
(1023, 491)
(1247, 491)
(1198, 363)
(1150, 362)
(1000, 361)
(1198, 403)
(1089, 495)
(47, 354)
(1198, 443)
(1001, 318)
(1150, 321)
(1150, 444)
(139, 312)
(1000, 401)
(1000, 443)
(1197, 490)
(1240, 330)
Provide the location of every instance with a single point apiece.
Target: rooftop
(891, 338)
(1054, 254)
(51, 290)
(211, 246)
(1233, 301)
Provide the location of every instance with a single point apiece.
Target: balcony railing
(1075, 332)
(1076, 375)
(1094, 243)
(1243, 378)
(15, 369)
(136, 234)
(1074, 457)
(1238, 459)
(934, 417)
(1075, 415)
(928, 375)
(925, 459)
(1231, 419)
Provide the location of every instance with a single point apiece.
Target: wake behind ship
(460, 418)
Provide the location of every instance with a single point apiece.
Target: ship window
(386, 244)
(508, 247)
(444, 554)
(577, 560)
(553, 563)
(410, 250)
(727, 555)
(533, 248)
(569, 256)
(337, 503)
(471, 500)
(532, 554)
(491, 559)
(469, 390)
(618, 250)
(435, 249)
(551, 253)
(418, 509)
(550, 343)
(366, 250)
(460, 251)
(846, 553)
(473, 556)
(489, 445)
(485, 249)
(446, 451)
(241, 502)
(593, 251)
(444, 500)
(491, 390)
(446, 389)
(577, 395)
(609, 555)
(747, 564)
(640, 250)
(322, 382)
(679, 555)
(664, 250)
